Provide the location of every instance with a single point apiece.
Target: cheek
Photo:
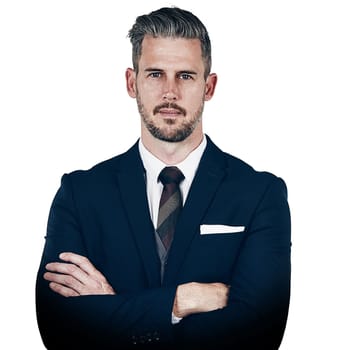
(145, 93)
(193, 98)
(195, 91)
(150, 89)
(149, 99)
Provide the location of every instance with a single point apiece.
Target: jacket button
(142, 339)
(149, 337)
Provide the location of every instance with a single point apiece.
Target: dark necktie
(170, 204)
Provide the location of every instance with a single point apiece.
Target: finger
(84, 263)
(79, 260)
(65, 281)
(68, 269)
(63, 290)
(69, 282)
(91, 280)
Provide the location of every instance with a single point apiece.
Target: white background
(282, 105)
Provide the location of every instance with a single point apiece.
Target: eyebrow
(162, 70)
(187, 72)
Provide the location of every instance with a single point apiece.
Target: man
(173, 244)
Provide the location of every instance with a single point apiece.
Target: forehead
(170, 50)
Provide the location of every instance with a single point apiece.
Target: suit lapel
(132, 187)
(209, 176)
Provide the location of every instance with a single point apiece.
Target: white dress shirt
(154, 166)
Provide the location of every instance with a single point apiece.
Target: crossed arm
(77, 276)
(258, 297)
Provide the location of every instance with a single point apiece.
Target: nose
(171, 91)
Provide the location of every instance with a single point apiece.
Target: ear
(210, 85)
(130, 77)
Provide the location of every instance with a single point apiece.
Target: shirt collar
(188, 166)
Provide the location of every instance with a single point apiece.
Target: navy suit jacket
(103, 214)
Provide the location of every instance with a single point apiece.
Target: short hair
(170, 22)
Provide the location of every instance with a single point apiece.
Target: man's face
(170, 87)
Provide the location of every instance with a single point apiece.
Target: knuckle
(68, 280)
(95, 284)
(57, 288)
(85, 265)
(71, 269)
(84, 258)
(84, 261)
(102, 279)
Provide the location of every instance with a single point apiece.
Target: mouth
(169, 111)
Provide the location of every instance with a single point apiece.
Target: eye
(155, 74)
(185, 76)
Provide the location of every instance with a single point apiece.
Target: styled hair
(170, 22)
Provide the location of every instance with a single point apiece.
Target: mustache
(169, 105)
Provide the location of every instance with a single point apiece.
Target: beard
(170, 132)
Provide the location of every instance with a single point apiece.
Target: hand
(76, 277)
(195, 297)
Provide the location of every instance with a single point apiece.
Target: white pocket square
(217, 229)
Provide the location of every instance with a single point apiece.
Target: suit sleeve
(257, 311)
(97, 321)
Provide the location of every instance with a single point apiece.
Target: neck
(172, 153)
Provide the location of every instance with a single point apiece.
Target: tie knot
(171, 174)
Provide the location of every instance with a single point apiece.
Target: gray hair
(170, 22)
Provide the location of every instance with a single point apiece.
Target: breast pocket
(220, 229)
